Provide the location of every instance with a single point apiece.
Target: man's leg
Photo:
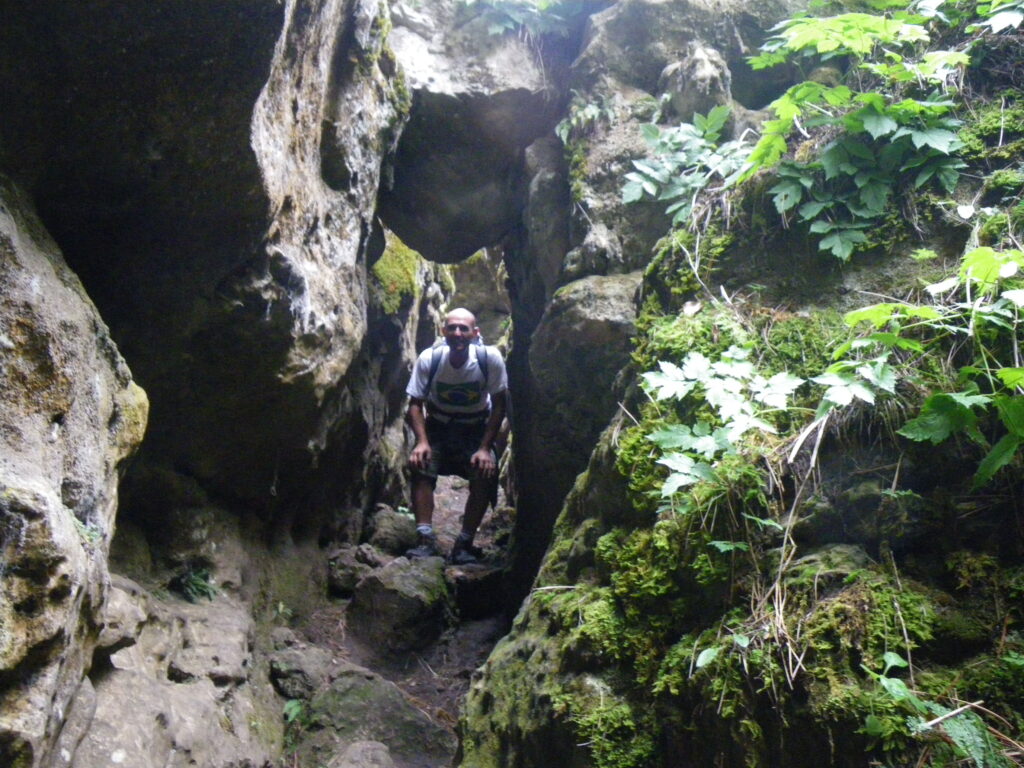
(423, 510)
(476, 505)
(422, 500)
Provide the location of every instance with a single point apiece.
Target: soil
(437, 679)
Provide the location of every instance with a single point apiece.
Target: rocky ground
(436, 679)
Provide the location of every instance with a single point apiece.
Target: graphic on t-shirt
(459, 395)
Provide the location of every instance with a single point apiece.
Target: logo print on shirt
(459, 395)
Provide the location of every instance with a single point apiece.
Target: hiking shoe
(426, 548)
(462, 554)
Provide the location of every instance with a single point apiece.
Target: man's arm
(483, 459)
(420, 456)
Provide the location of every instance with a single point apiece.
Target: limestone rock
(360, 706)
(300, 670)
(364, 754)
(401, 607)
(178, 694)
(344, 571)
(69, 414)
(392, 531)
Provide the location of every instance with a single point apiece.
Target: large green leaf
(1002, 453)
(941, 416)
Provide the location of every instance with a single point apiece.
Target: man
(456, 405)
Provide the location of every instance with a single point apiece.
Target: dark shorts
(452, 445)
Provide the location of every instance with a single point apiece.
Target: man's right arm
(420, 456)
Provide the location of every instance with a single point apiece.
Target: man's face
(460, 331)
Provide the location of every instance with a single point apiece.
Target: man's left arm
(483, 459)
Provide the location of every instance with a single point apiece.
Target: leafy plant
(740, 398)
(979, 321)
(535, 17)
(583, 116)
(194, 583)
(686, 159)
(902, 134)
(960, 730)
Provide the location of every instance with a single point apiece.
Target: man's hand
(483, 462)
(420, 456)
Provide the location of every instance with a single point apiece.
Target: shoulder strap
(482, 358)
(435, 363)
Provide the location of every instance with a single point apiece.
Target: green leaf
(891, 660)
(730, 546)
(764, 522)
(941, 416)
(880, 374)
(786, 194)
(873, 726)
(707, 656)
(671, 437)
(874, 195)
(1011, 377)
(878, 125)
(1002, 453)
(924, 254)
(1011, 411)
(632, 191)
(876, 314)
(937, 138)
(841, 242)
(743, 641)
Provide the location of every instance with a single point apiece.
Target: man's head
(460, 329)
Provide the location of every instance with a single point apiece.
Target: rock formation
(71, 414)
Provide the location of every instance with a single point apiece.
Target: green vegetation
(396, 276)
(533, 17)
(888, 128)
(194, 583)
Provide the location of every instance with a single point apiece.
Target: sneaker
(462, 554)
(426, 548)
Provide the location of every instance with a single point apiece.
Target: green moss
(994, 229)
(396, 276)
(995, 132)
(576, 159)
(1006, 181)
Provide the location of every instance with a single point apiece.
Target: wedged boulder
(401, 607)
(360, 705)
(69, 415)
(479, 100)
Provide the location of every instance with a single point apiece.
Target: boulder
(70, 413)
(344, 571)
(392, 532)
(300, 670)
(360, 705)
(401, 607)
(363, 754)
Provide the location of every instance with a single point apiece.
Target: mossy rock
(396, 276)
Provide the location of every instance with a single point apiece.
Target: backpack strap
(435, 363)
(482, 358)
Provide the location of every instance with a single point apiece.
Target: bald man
(456, 406)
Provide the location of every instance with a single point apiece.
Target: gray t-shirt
(459, 390)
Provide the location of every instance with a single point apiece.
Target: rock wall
(70, 415)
